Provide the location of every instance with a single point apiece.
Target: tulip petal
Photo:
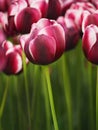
(93, 54)
(57, 32)
(25, 18)
(14, 62)
(43, 49)
(89, 39)
(2, 59)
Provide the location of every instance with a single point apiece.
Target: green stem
(92, 124)
(67, 91)
(50, 94)
(26, 89)
(4, 98)
(78, 102)
(35, 89)
(18, 101)
(46, 98)
(97, 100)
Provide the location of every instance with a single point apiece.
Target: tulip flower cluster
(44, 30)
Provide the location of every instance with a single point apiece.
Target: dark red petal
(57, 32)
(25, 18)
(14, 62)
(89, 39)
(42, 49)
(2, 59)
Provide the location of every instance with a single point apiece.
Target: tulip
(90, 43)
(16, 6)
(13, 58)
(41, 5)
(83, 6)
(90, 19)
(71, 32)
(76, 11)
(26, 13)
(25, 18)
(45, 43)
(54, 9)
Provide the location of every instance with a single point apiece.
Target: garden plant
(48, 64)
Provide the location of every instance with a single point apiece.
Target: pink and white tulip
(90, 43)
(89, 18)
(71, 32)
(46, 42)
(13, 57)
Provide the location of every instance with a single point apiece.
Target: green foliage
(25, 100)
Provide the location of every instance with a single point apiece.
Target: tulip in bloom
(45, 43)
(13, 57)
(25, 18)
(71, 32)
(26, 13)
(76, 11)
(89, 18)
(90, 43)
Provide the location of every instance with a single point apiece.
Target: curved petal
(14, 62)
(25, 18)
(43, 49)
(89, 39)
(57, 32)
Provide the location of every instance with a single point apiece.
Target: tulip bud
(71, 32)
(76, 11)
(46, 42)
(25, 18)
(90, 43)
(89, 19)
(13, 58)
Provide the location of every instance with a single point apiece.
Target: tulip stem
(26, 88)
(97, 100)
(18, 100)
(50, 94)
(67, 91)
(4, 98)
(47, 107)
(91, 96)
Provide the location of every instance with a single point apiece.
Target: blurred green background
(24, 99)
